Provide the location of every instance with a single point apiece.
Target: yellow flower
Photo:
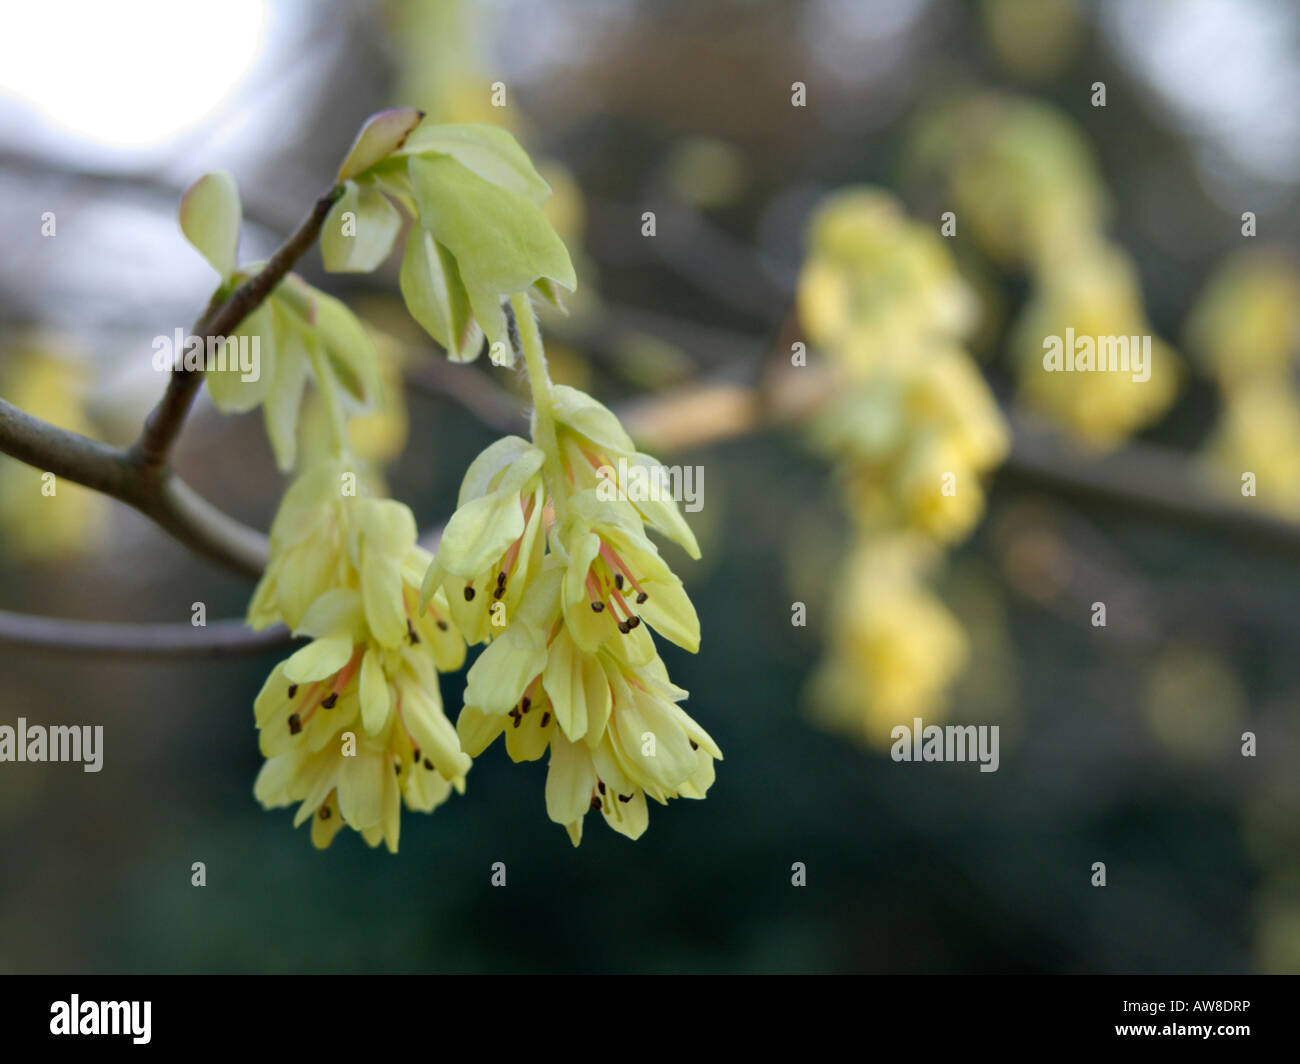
(34, 523)
(895, 648)
(1259, 433)
(915, 445)
(614, 579)
(612, 726)
(1095, 293)
(353, 723)
(596, 453)
(1246, 325)
(876, 287)
(493, 542)
(1020, 174)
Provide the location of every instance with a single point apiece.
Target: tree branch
(220, 639)
(162, 497)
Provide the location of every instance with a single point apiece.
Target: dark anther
(295, 724)
(596, 607)
(469, 594)
(324, 812)
(526, 704)
(595, 802)
(694, 745)
(442, 626)
(397, 768)
(546, 719)
(641, 597)
(499, 592)
(293, 689)
(600, 786)
(428, 764)
(624, 797)
(624, 627)
(618, 581)
(416, 756)
(410, 631)
(632, 622)
(330, 701)
(501, 578)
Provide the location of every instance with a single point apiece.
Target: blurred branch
(475, 391)
(121, 639)
(1145, 479)
(220, 639)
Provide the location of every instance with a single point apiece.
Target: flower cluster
(352, 723)
(913, 428)
(1021, 178)
(1246, 330)
(547, 559)
(880, 298)
(895, 648)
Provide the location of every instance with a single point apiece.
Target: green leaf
(545, 288)
(230, 392)
(210, 216)
(436, 297)
(283, 401)
(502, 242)
(488, 151)
(359, 231)
(348, 347)
(382, 134)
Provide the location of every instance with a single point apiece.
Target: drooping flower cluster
(894, 647)
(913, 428)
(1022, 181)
(912, 419)
(1246, 330)
(547, 558)
(352, 724)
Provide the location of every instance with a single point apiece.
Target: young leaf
(359, 231)
(436, 297)
(489, 151)
(283, 401)
(382, 135)
(501, 241)
(348, 347)
(231, 393)
(210, 216)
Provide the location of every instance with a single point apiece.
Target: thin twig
(117, 639)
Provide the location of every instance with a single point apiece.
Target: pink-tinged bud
(382, 135)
